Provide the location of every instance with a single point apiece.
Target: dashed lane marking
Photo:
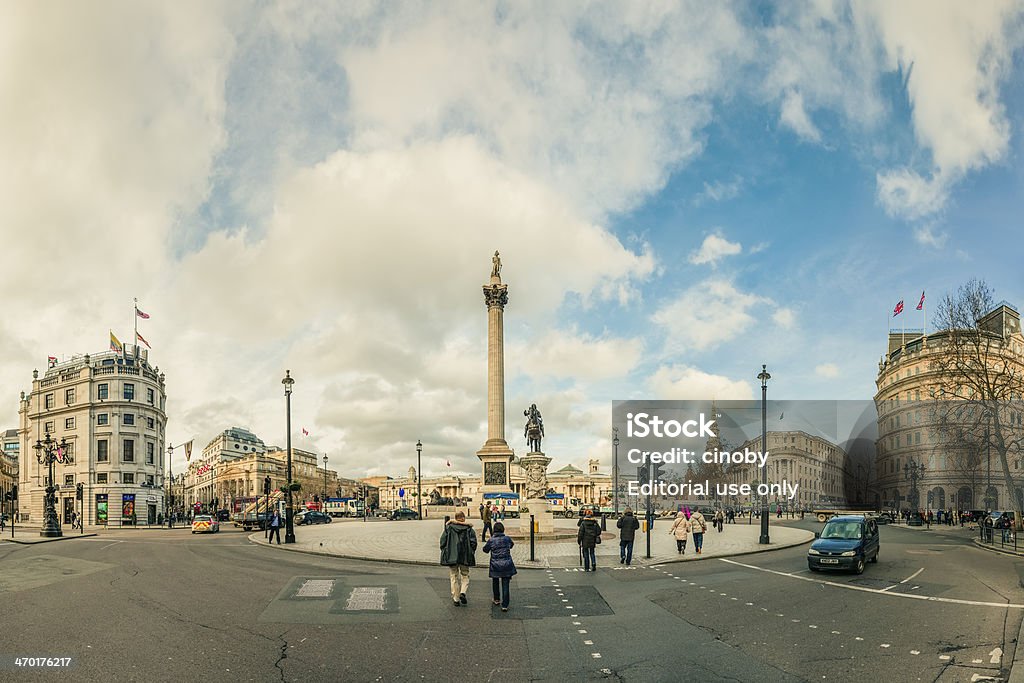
(880, 591)
(903, 581)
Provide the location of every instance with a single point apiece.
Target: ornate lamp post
(49, 451)
(289, 535)
(324, 499)
(419, 477)
(913, 471)
(764, 377)
(615, 462)
(170, 488)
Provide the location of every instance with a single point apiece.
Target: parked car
(596, 509)
(404, 513)
(313, 517)
(845, 542)
(223, 516)
(202, 524)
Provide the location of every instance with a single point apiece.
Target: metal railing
(1005, 539)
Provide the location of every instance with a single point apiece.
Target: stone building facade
(10, 446)
(814, 463)
(111, 409)
(907, 416)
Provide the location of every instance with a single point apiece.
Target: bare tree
(980, 378)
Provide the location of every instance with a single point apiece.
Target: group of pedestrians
(687, 523)
(458, 553)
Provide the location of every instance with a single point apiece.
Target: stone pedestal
(538, 507)
(535, 465)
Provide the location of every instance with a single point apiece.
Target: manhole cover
(315, 588)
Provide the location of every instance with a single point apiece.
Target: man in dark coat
(458, 548)
(628, 524)
(588, 537)
(485, 515)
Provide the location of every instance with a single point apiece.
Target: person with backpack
(485, 515)
(698, 525)
(588, 536)
(458, 553)
(501, 568)
(719, 520)
(628, 524)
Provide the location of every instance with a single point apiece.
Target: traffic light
(642, 474)
(78, 491)
(656, 468)
(14, 492)
(266, 486)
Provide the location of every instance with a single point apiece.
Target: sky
(680, 192)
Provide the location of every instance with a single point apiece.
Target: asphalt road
(167, 605)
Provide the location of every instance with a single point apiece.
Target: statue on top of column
(534, 430)
(496, 265)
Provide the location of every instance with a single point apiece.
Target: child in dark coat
(502, 568)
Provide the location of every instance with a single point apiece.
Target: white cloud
(794, 117)
(828, 370)
(680, 382)
(905, 194)
(713, 248)
(929, 236)
(720, 190)
(573, 355)
(784, 317)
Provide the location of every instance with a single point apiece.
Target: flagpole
(135, 320)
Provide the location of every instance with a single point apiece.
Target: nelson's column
(495, 456)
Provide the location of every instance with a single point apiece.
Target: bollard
(533, 528)
(650, 527)
(604, 522)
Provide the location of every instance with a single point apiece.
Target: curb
(69, 537)
(1001, 551)
(1017, 665)
(527, 564)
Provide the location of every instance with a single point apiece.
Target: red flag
(143, 340)
(305, 432)
(52, 360)
(144, 316)
(920, 304)
(899, 309)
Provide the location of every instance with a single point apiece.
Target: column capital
(496, 295)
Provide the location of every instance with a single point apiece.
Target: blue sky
(680, 194)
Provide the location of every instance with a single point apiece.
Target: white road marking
(944, 658)
(904, 580)
(588, 642)
(975, 661)
(596, 655)
(858, 638)
(915, 652)
(835, 633)
(884, 645)
(980, 677)
(996, 654)
(879, 591)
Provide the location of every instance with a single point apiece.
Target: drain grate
(367, 598)
(315, 588)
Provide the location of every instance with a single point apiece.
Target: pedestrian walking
(501, 568)
(458, 553)
(588, 536)
(486, 517)
(627, 524)
(681, 530)
(275, 528)
(501, 515)
(698, 525)
(719, 520)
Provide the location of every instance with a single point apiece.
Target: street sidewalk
(417, 542)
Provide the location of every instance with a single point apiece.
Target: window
(128, 478)
(69, 423)
(48, 426)
(129, 391)
(102, 419)
(102, 450)
(917, 437)
(129, 450)
(69, 480)
(69, 452)
(128, 419)
(102, 391)
(150, 397)
(48, 401)
(150, 422)
(69, 396)
(101, 478)
(149, 479)
(149, 454)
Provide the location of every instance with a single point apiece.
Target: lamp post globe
(419, 476)
(764, 377)
(289, 536)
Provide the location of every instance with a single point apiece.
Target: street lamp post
(615, 462)
(289, 535)
(764, 377)
(419, 476)
(913, 471)
(170, 487)
(324, 499)
(49, 451)
(989, 504)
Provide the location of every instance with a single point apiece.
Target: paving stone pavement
(417, 542)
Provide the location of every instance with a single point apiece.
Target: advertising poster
(101, 508)
(127, 506)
